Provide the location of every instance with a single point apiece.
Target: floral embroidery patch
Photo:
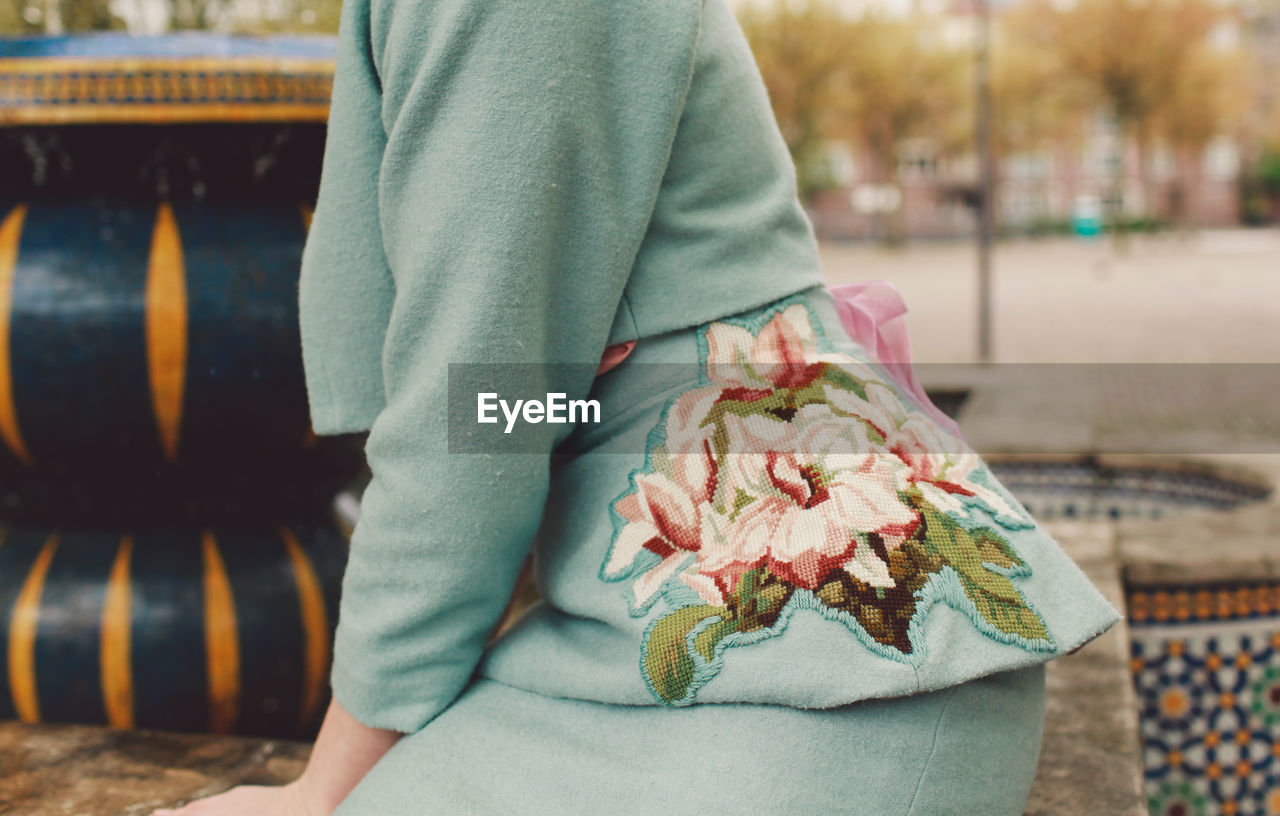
(798, 478)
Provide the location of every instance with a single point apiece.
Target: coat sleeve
(524, 147)
(345, 288)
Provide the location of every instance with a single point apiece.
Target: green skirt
(969, 750)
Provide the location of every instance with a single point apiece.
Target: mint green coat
(514, 183)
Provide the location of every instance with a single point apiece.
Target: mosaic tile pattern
(1086, 490)
(1206, 666)
(1192, 604)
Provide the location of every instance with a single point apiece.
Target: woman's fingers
(247, 800)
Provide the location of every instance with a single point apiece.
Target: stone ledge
(1188, 549)
(1091, 759)
(56, 770)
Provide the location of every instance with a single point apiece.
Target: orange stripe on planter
(10, 236)
(22, 635)
(167, 328)
(315, 626)
(115, 650)
(222, 643)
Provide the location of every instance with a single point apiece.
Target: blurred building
(1037, 191)
(1040, 191)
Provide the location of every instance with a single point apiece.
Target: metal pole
(986, 165)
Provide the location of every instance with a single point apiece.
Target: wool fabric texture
(528, 182)
(513, 181)
(962, 751)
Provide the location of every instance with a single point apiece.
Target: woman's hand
(344, 752)
(259, 800)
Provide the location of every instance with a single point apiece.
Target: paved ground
(1207, 298)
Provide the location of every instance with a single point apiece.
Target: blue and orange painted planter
(168, 558)
(221, 629)
(191, 77)
(148, 271)
(133, 337)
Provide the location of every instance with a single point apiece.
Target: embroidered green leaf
(993, 594)
(840, 378)
(764, 405)
(706, 640)
(740, 500)
(994, 549)
(885, 614)
(833, 593)
(758, 599)
(959, 549)
(815, 393)
(1014, 617)
(667, 660)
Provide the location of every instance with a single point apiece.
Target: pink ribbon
(872, 313)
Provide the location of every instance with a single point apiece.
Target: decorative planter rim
(186, 77)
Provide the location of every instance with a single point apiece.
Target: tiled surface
(1206, 667)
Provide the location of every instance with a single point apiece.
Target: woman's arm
(526, 143)
(345, 290)
(520, 147)
(344, 752)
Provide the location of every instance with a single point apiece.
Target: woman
(773, 579)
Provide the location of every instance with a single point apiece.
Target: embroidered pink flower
(940, 468)
(810, 526)
(784, 354)
(807, 503)
(661, 518)
(794, 474)
(664, 514)
(687, 453)
(801, 496)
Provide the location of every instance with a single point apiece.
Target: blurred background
(1160, 114)
(1142, 114)
(164, 16)
(1138, 140)
(1165, 114)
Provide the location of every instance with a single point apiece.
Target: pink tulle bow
(872, 313)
